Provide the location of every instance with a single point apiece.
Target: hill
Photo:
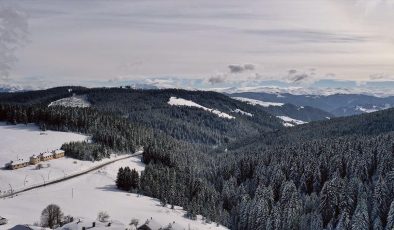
(302, 113)
(337, 104)
(242, 169)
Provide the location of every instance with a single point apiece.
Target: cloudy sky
(216, 41)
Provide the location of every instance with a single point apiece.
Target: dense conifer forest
(245, 173)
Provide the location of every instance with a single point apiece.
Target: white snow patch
(243, 112)
(73, 101)
(258, 102)
(182, 102)
(372, 109)
(289, 122)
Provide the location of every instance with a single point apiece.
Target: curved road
(55, 181)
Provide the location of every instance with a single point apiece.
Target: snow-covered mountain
(302, 114)
(337, 104)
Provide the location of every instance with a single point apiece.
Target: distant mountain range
(338, 104)
(4, 88)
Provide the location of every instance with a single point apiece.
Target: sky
(213, 42)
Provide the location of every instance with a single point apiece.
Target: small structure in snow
(3, 220)
(150, 225)
(17, 164)
(35, 159)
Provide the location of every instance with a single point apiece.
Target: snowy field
(73, 101)
(22, 141)
(86, 195)
(183, 102)
(258, 102)
(289, 122)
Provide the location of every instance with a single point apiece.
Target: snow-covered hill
(182, 102)
(258, 102)
(82, 197)
(19, 142)
(89, 194)
(73, 101)
(289, 122)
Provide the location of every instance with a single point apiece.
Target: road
(73, 175)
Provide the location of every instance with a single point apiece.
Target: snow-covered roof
(152, 224)
(58, 151)
(78, 223)
(17, 162)
(47, 154)
(27, 227)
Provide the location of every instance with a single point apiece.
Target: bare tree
(39, 166)
(102, 216)
(51, 216)
(134, 222)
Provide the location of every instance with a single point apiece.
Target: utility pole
(48, 174)
(24, 182)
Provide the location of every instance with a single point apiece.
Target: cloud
(295, 76)
(309, 36)
(241, 68)
(13, 34)
(217, 79)
(299, 77)
(292, 71)
(381, 76)
(249, 67)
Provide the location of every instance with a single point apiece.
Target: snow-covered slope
(89, 194)
(257, 102)
(242, 112)
(289, 122)
(21, 142)
(73, 101)
(182, 102)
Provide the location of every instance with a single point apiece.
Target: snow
(83, 196)
(73, 101)
(371, 110)
(243, 112)
(20, 142)
(86, 195)
(182, 102)
(78, 223)
(258, 102)
(289, 122)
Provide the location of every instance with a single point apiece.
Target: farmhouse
(150, 225)
(17, 164)
(58, 153)
(36, 159)
(46, 156)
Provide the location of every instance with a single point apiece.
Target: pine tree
(360, 218)
(390, 218)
